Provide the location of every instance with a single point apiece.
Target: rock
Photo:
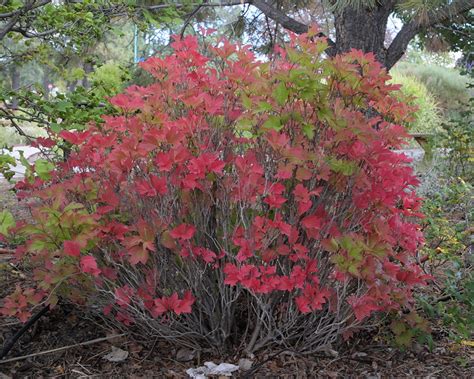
(117, 355)
(185, 355)
(359, 354)
(211, 369)
(245, 364)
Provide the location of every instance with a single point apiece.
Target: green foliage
(109, 79)
(9, 135)
(448, 191)
(448, 232)
(410, 327)
(6, 222)
(6, 162)
(445, 227)
(67, 111)
(427, 118)
(457, 138)
(417, 56)
(447, 85)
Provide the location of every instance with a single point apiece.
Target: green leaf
(63, 105)
(23, 160)
(281, 93)
(43, 168)
(6, 222)
(244, 124)
(346, 168)
(263, 106)
(55, 127)
(149, 17)
(405, 338)
(398, 327)
(6, 160)
(272, 123)
(246, 102)
(308, 130)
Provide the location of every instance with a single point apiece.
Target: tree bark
(15, 83)
(46, 82)
(363, 28)
(88, 68)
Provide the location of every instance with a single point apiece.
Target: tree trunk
(71, 86)
(15, 83)
(364, 29)
(46, 82)
(88, 68)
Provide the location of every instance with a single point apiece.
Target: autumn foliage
(234, 203)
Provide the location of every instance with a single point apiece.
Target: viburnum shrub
(234, 203)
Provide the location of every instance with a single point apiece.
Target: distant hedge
(447, 85)
(428, 116)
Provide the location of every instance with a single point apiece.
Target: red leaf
(363, 306)
(138, 254)
(207, 255)
(312, 299)
(285, 171)
(184, 306)
(164, 161)
(46, 142)
(244, 252)
(312, 225)
(127, 102)
(89, 265)
(173, 304)
(123, 296)
(159, 184)
(74, 138)
(72, 248)
(184, 232)
(144, 188)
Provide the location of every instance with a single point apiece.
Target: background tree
(360, 24)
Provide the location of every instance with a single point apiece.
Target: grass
(9, 136)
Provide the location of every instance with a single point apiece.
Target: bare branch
(412, 28)
(28, 34)
(24, 9)
(289, 23)
(8, 27)
(222, 3)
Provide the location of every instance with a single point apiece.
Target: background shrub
(427, 116)
(446, 85)
(447, 188)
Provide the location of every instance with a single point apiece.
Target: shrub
(426, 117)
(109, 79)
(457, 142)
(448, 230)
(234, 203)
(450, 303)
(447, 85)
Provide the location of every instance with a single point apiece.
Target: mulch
(60, 329)
(67, 325)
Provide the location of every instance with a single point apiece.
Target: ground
(68, 327)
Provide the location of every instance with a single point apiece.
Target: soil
(365, 356)
(9, 202)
